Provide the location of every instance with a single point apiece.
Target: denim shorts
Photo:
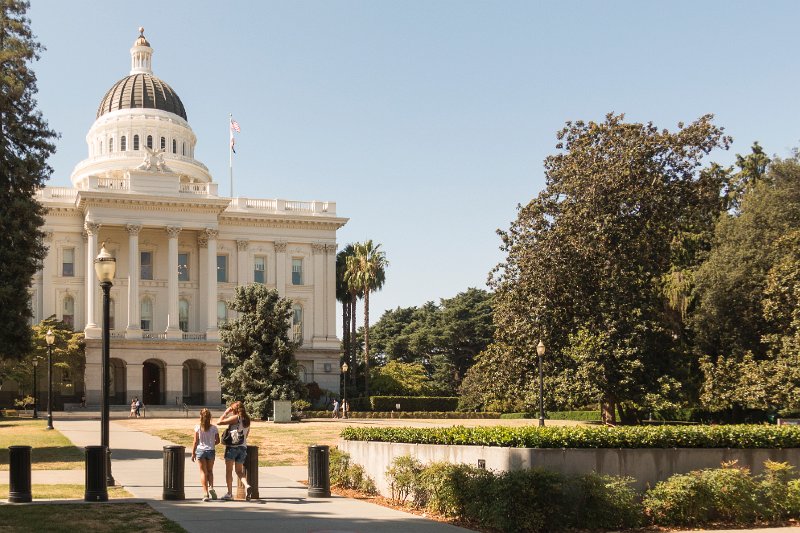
(206, 454)
(237, 454)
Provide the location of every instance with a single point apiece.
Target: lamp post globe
(50, 338)
(540, 349)
(105, 265)
(344, 384)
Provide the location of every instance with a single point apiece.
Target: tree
(25, 144)
(401, 379)
(347, 294)
(258, 363)
(367, 270)
(590, 253)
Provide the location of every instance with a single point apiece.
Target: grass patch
(51, 450)
(95, 517)
(64, 492)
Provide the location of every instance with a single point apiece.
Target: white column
(318, 251)
(202, 302)
(48, 300)
(330, 292)
(133, 330)
(280, 267)
(173, 330)
(174, 385)
(92, 331)
(212, 333)
(242, 274)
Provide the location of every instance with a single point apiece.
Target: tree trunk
(366, 342)
(353, 341)
(346, 331)
(608, 411)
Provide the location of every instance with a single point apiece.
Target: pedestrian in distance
(335, 408)
(206, 437)
(133, 408)
(83, 400)
(138, 407)
(238, 422)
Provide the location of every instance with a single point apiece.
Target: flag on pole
(234, 127)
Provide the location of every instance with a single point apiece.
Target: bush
(347, 475)
(405, 414)
(741, 436)
(774, 491)
(582, 416)
(607, 502)
(403, 476)
(414, 403)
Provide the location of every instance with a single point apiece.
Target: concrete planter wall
(646, 466)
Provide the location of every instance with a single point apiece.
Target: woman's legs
(210, 473)
(229, 475)
(203, 476)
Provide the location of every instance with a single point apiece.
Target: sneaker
(213, 494)
(205, 498)
(248, 492)
(227, 496)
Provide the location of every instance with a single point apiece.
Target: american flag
(235, 126)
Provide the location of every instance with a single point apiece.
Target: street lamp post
(35, 396)
(540, 349)
(51, 340)
(344, 396)
(104, 266)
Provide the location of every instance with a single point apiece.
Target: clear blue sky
(427, 122)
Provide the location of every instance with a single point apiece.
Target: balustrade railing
(191, 336)
(154, 336)
(117, 184)
(194, 188)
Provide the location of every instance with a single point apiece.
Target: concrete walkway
(284, 506)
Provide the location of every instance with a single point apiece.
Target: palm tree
(348, 296)
(366, 269)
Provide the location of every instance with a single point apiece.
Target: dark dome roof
(141, 91)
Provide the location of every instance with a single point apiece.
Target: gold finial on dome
(141, 40)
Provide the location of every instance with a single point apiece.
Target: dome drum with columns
(181, 252)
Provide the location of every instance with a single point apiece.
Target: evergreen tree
(25, 145)
(258, 363)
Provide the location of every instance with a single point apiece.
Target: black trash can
(174, 461)
(319, 480)
(96, 485)
(251, 470)
(19, 464)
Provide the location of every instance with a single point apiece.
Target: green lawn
(94, 517)
(64, 492)
(51, 450)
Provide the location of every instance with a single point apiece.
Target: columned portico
(133, 330)
(173, 328)
(212, 333)
(92, 229)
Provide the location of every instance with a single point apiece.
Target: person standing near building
(238, 422)
(335, 408)
(206, 437)
(133, 408)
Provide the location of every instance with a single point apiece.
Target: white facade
(181, 250)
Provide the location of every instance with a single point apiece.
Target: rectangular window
(297, 271)
(259, 270)
(222, 268)
(68, 263)
(146, 264)
(183, 267)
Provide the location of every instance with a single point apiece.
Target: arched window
(222, 313)
(123, 144)
(297, 323)
(149, 141)
(110, 145)
(147, 314)
(163, 143)
(183, 315)
(111, 314)
(68, 311)
(135, 142)
(174, 146)
(184, 149)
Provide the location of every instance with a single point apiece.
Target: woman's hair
(242, 412)
(205, 419)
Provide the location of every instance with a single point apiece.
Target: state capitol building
(181, 250)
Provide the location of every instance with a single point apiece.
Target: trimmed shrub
(603, 501)
(405, 414)
(403, 476)
(347, 475)
(774, 491)
(741, 436)
(413, 403)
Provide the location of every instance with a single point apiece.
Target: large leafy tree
(366, 270)
(586, 259)
(258, 363)
(25, 144)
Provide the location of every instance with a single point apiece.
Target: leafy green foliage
(26, 142)
(440, 415)
(733, 436)
(348, 475)
(403, 379)
(258, 363)
(403, 475)
(413, 403)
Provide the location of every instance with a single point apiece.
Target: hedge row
(405, 414)
(738, 436)
(413, 403)
(536, 499)
(581, 416)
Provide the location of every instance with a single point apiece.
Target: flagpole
(230, 150)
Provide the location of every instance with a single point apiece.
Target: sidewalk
(284, 505)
